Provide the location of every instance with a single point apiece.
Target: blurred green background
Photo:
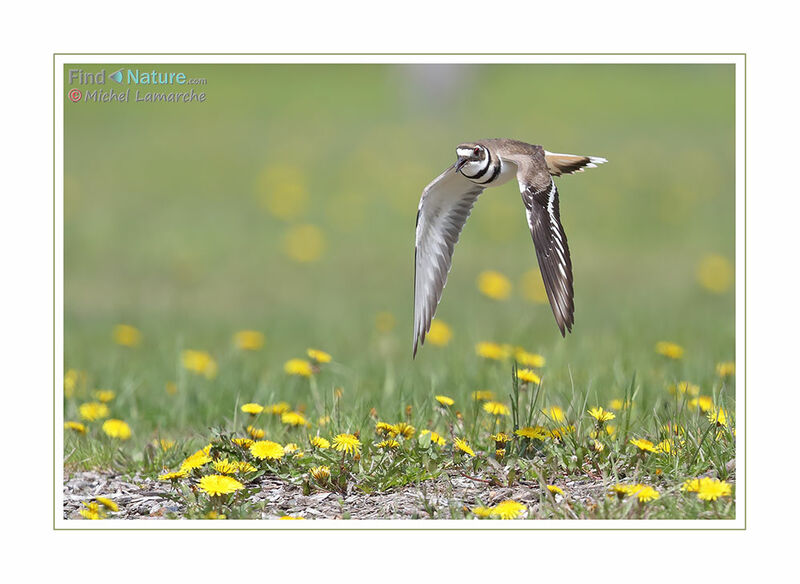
(285, 203)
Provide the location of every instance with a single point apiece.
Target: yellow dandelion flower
(435, 438)
(496, 408)
(92, 411)
(508, 509)
(718, 416)
(501, 437)
(597, 446)
(126, 335)
(248, 340)
(527, 359)
(318, 442)
(171, 387)
(291, 517)
(489, 350)
(279, 408)
(710, 488)
(500, 453)
(601, 415)
(691, 485)
(403, 429)
(532, 286)
(215, 515)
(252, 409)
(76, 427)
(666, 446)
(256, 433)
(462, 445)
(290, 448)
(685, 388)
(321, 474)
(266, 449)
(104, 395)
(643, 445)
(483, 395)
(561, 431)
(347, 443)
(318, 356)
(528, 376)
(618, 404)
(107, 503)
(439, 334)
(715, 273)
(384, 322)
(704, 403)
(294, 419)
(385, 429)
(645, 493)
(390, 444)
(554, 413)
(621, 490)
(196, 460)
(72, 378)
(299, 367)
(494, 285)
(199, 362)
(165, 444)
(713, 489)
(243, 442)
(726, 369)
(671, 350)
(533, 433)
(304, 243)
(219, 484)
(323, 420)
(444, 400)
(92, 511)
(171, 476)
(482, 512)
(555, 489)
(225, 467)
(117, 429)
(244, 467)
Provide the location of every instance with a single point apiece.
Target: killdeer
(447, 201)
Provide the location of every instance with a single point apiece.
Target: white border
(58, 93)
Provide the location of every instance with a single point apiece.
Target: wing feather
(552, 250)
(444, 207)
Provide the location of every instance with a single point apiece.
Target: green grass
(166, 229)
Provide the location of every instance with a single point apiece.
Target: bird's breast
(508, 170)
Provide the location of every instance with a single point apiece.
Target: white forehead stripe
(464, 151)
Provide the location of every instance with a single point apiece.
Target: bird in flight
(447, 201)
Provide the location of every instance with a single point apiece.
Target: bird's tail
(559, 164)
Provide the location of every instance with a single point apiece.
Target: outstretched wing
(443, 209)
(558, 164)
(552, 251)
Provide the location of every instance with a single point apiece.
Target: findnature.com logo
(171, 84)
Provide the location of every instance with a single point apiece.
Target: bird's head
(472, 158)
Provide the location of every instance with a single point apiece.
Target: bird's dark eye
(476, 150)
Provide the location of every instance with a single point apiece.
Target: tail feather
(559, 164)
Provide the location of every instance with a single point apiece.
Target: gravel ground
(143, 498)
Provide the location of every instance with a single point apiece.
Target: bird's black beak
(461, 162)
